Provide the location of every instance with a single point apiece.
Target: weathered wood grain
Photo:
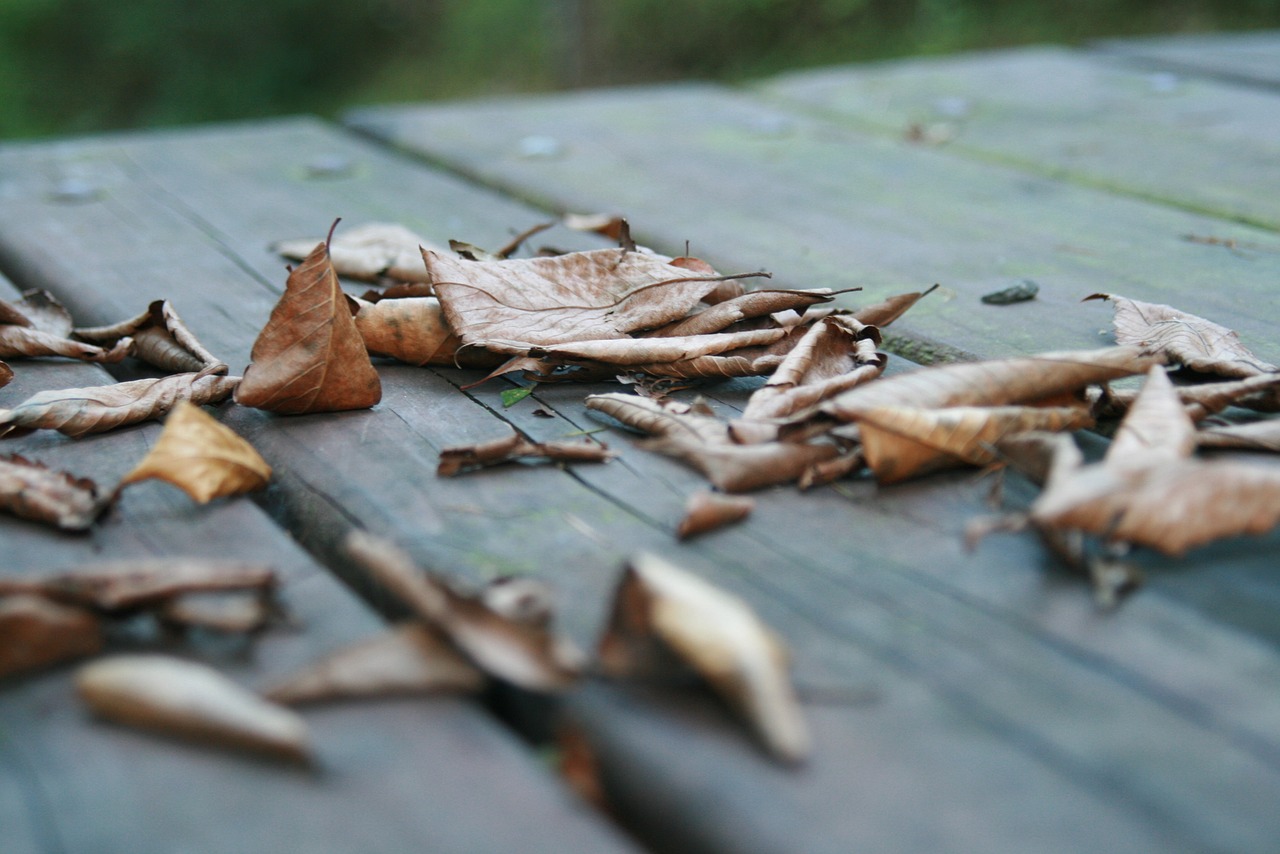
(924, 668)
(391, 776)
(820, 204)
(1186, 141)
(1252, 58)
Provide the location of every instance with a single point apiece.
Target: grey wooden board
(1244, 57)
(820, 204)
(1187, 141)
(939, 656)
(391, 776)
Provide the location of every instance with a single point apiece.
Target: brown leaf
(882, 313)
(190, 700)
(32, 491)
(310, 357)
(38, 325)
(130, 584)
(628, 352)
(904, 442)
(707, 511)
(606, 293)
(1202, 399)
(705, 443)
(1156, 430)
(1030, 380)
(716, 634)
(78, 412)
(1258, 436)
(36, 633)
(407, 660)
(1186, 339)
(414, 330)
(525, 655)
(461, 458)
(754, 304)
(6, 376)
(203, 458)
(835, 355)
(160, 338)
(369, 252)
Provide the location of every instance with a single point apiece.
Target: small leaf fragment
(137, 583)
(461, 458)
(717, 635)
(203, 458)
(706, 511)
(368, 251)
(190, 700)
(33, 491)
(410, 659)
(37, 633)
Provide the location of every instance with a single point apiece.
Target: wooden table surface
(960, 701)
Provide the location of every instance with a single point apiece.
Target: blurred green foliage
(71, 66)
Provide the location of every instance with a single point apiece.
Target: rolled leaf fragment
(36, 633)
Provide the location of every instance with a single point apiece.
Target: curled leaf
(707, 511)
(642, 351)
(160, 338)
(407, 660)
(190, 700)
(1258, 436)
(524, 654)
(754, 304)
(717, 635)
(882, 313)
(125, 585)
(235, 612)
(414, 330)
(1156, 430)
(32, 491)
(78, 412)
(310, 357)
(38, 325)
(203, 458)
(368, 251)
(462, 458)
(36, 633)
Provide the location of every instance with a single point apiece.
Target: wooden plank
(391, 776)
(1195, 143)
(756, 186)
(918, 660)
(1242, 57)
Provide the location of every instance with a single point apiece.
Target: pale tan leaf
(203, 458)
(883, 313)
(18, 342)
(410, 659)
(310, 357)
(1260, 392)
(717, 635)
(1044, 458)
(835, 355)
(78, 412)
(235, 612)
(829, 471)
(38, 309)
(1156, 430)
(707, 511)
(1258, 436)
(903, 442)
(1028, 380)
(1171, 508)
(460, 458)
(191, 700)
(757, 303)
(529, 656)
(1186, 339)
(605, 293)
(369, 251)
(32, 491)
(37, 633)
(138, 583)
(629, 352)
(160, 338)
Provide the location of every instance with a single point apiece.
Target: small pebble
(1021, 292)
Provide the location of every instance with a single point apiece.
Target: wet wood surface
(960, 701)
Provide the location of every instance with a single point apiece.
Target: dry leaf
(77, 412)
(1191, 341)
(1156, 430)
(606, 293)
(190, 700)
(1202, 399)
(525, 655)
(882, 313)
(235, 612)
(629, 352)
(310, 357)
(707, 511)
(1258, 436)
(33, 491)
(835, 355)
(137, 583)
(160, 339)
(6, 376)
(462, 458)
(705, 443)
(1030, 380)
(754, 304)
(203, 458)
(716, 634)
(414, 330)
(38, 325)
(36, 633)
(901, 442)
(368, 251)
(407, 660)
